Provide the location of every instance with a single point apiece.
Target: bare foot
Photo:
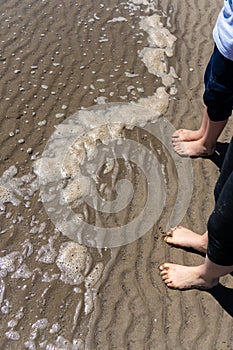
(187, 135)
(182, 237)
(185, 277)
(192, 148)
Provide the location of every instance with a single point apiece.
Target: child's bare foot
(192, 148)
(185, 277)
(187, 135)
(185, 238)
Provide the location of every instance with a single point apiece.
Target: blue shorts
(218, 95)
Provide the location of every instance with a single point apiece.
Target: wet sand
(58, 58)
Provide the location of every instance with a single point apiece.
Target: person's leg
(180, 236)
(192, 135)
(205, 276)
(204, 146)
(185, 238)
(220, 227)
(225, 171)
(219, 257)
(218, 98)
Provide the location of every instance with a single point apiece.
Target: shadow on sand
(224, 297)
(219, 154)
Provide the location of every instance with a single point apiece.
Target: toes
(165, 275)
(175, 138)
(169, 234)
(176, 146)
(170, 284)
(181, 150)
(177, 133)
(164, 278)
(168, 281)
(169, 238)
(164, 267)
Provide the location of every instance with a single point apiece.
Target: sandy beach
(92, 60)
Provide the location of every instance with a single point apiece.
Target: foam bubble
(47, 254)
(88, 302)
(158, 35)
(2, 290)
(117, 19)
(157, 103)
(14, 189)
(40, 324)
(7, 263)
(55, 328)
(73, 261)
(63, 343)
(4, 194)
(12, 335)
(30, 344)
(138, 4)
(94, 276)
(22, 272)
(6, 307)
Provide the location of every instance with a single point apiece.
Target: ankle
(204, 242)
(201, 131)
(203, 275)
(207, 145)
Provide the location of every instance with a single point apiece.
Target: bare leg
(205, 276)
(204, 146)
(185, 238)
(192, 135)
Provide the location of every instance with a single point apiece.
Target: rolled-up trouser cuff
(218, 94)
(218, 254)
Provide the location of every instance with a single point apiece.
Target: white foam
(7, 263)
(14, 189)
(131, 75)
(30, 344)
(55, 328)
(2, 290)
(135, 5)
(48, 279)
(6, 307)
(47, 253)
(77, 314)
(161, 43)
(117, 19)
(40, 324)
(22, 272)
(94, 276)
(72, 261)
(12, 335)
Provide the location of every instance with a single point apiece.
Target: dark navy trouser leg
(220, 224)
